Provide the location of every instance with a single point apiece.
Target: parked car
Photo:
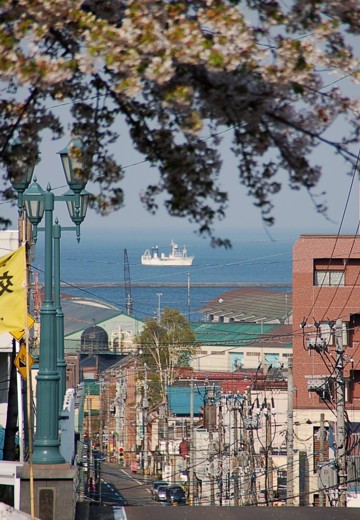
(161, 494)
(175, 494)
(155, 486)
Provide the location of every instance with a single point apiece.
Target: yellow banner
(13, 291)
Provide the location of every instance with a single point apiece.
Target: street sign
(18, 334)
(20, 361)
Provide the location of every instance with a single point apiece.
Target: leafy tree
(166, 346)
(181, 74)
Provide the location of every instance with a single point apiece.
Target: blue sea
(99, 257)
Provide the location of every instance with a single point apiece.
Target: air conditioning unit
(316, 385)
(318, 344)
(251, 423)
(327, 475)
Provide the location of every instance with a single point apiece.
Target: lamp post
(37, 202)
(77, 216)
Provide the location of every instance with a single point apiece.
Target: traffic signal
(121, 454)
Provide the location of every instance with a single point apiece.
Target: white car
(155, 486)
(161, 494)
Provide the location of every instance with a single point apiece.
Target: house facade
(236, 346)
(326, 298)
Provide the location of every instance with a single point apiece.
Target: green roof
(241, 334)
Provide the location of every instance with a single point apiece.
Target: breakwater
(229, 285)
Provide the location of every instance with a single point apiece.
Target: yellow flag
(13, 291)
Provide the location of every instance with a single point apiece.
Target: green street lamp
(77, 205)
(49, 396)
(77, 217)
(20, 171)
(34, 203)
(72, 161)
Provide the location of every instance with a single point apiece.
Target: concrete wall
(219, 357)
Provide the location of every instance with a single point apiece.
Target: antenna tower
(127, 283)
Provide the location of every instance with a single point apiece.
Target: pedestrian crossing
(119, 513)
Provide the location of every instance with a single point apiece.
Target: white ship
(176, 257)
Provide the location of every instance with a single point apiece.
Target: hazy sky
(294, 211)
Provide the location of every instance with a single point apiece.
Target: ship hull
(167, 262)
(176, 257)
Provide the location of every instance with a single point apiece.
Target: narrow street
(121, 488)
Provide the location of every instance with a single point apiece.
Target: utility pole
(340, 414)
(159, 294)
(90, 432)
(108, 419)
(188, 296)
(268, 458)
(321, 455)
(220, 451)
(251, 485)
(191, 468)
(101, 417)
(290, 439)
(236, 451)
(210, 404)
(145, 421)
(166, 425)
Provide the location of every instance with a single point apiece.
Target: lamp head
(72, 158)
(34, 203)
(19, 166)
(77, 205)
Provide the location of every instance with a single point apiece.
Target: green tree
(166, 347)
(179, 75)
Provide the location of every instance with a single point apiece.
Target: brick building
(326, 287)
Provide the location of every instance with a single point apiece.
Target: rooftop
(252, 305)
(239, 334)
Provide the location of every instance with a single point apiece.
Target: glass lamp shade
(20, 169)
(34, 203)
(77, 205)
(21, 180)
(72, 161)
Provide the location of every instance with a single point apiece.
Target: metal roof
(81, 313)
(251, 304)
(179, 400)
(240, 334)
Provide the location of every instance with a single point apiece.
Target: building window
(272, 359)
(329, 278)
(236, 361)
(317, 444)
(328, 335)
(354, 386)
(255, 354)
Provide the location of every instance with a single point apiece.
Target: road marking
(137, 481)
(119, 513)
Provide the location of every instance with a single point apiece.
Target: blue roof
(179, 400)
